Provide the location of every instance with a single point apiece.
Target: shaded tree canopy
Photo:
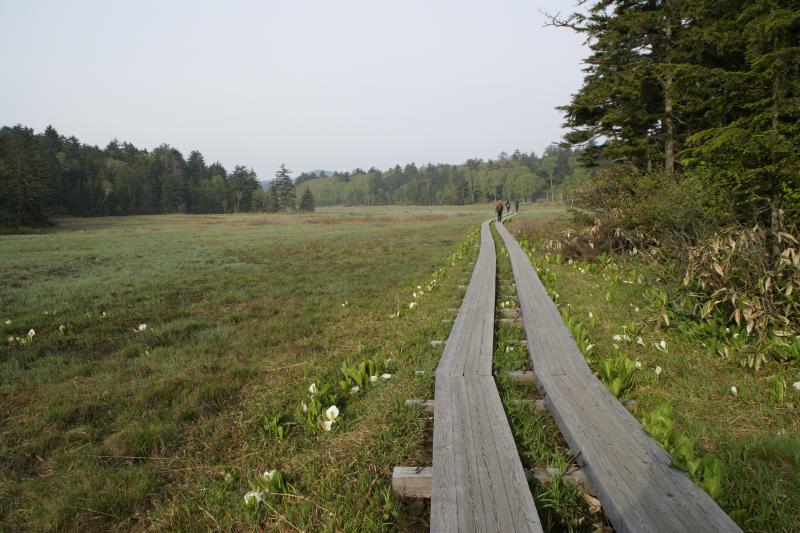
(307, 202)
(49, 174)
(707, 88)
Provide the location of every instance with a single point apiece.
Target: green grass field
(110, 425)
(106, 426)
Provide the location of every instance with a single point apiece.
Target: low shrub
(750, 276)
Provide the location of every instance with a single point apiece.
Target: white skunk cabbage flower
(252, 498)
(332, 413)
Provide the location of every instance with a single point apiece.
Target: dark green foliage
(702, 88)
(307, 202)
(61, 176)
(49, 174)
(282, 189)
(272, 199)
(25, 184)
(673, 211)
(242, 185)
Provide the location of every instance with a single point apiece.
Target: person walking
(499, 208)
(508, 206)
(516, 206)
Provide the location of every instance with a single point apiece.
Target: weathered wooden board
(478, 482)
(469, 347)
(523, 376)
(412, 481)
(416, 481)
(631, 473)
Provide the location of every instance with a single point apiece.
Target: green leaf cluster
(361, 374)
(708, 472)
(618, 374)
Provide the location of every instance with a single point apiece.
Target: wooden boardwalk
(478, 482)
(630, 472)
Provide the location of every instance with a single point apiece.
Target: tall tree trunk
(669, 125)
(775, 200)
(669, 139)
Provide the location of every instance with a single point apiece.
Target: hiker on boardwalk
(499, 208)
(516, 206)
(508, 206)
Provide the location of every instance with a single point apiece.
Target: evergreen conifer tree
(284, 189)
(307, 202)
(25, 190)
(272, 198)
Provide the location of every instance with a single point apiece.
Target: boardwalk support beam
(416, 481)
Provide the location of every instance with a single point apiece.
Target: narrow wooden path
(478, 483)
(630, 472)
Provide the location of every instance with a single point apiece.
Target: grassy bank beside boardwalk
(616, 305)
(163, 346)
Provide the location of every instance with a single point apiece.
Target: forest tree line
(697, 102)
(519, 176)
(48, 174)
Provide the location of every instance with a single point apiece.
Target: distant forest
(518, 176)
(47, 174)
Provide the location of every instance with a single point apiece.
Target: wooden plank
(477, 310)
(523, 376)
(538, 404)
(444, 498)
(574, 476)
(631, 473)
(472, 505)
(478, 482)
(493, 478)
(416, 481)
(428, 405)
(412, 481)
(522, 510)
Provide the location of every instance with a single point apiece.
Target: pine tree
(25, 190)
(272, 198)
(307, 202)
(752, 150)
(284, 189)
(621, 102)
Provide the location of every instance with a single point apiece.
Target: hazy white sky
(317, 84)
